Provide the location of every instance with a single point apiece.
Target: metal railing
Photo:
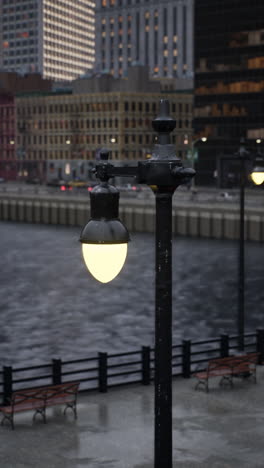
(105, 370)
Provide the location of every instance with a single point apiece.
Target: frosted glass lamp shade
(104, 261)
(257, 175)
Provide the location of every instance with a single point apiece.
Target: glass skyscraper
(229, 78)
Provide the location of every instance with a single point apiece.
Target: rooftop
(221, 429)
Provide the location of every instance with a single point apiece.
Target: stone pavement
(221, 429)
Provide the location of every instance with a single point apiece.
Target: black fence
(104, 370)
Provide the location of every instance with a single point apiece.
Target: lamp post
(257, 174)
(242, 155)
(163, 172)
(191, 153)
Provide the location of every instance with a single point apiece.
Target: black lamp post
(242, 155)
(257, 176)
(163, 172)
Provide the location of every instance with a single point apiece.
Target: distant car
(2, 180)
(130, 188)
(78, 183)
(55, 182)
(34, 180)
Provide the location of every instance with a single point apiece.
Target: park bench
(227, 368)
(38, 399)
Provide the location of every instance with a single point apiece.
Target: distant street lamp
(104, 241)
(192, 154)
(242, 155)
(257, 174)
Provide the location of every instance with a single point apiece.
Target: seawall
(190, 218)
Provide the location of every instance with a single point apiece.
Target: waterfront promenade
(221, 429)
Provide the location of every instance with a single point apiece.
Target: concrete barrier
(13, 210)
(181, 222)
(37, 212)
(149, 220)
(82, 215)
(21, 210)
(45, 213)
(231, 226)
(5, 210)
(54, 213)
(139, 220)
(203, 222)
(254, 228)
(28, 212)
(217, 229)
(63, 214)
(72, 215)
(194, 224)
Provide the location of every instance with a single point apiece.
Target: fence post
(224, 346)
(186, 359)
(7, 384)
(102, 376)
(56, 371)
(145, 357)
(260, 344)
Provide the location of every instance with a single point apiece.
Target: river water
(52, 308)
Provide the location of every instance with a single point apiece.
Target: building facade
(158, 34)
(60, 132)
(11, 156)
(8, 167)
(52, 37)
(229, 78)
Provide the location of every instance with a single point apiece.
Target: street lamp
(192, 153)
(257, 174)
(241, 155)
(163, 172)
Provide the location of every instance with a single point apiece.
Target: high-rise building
(52, 37)
(158, 34)
(229, 78)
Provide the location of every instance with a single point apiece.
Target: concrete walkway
(221, 429)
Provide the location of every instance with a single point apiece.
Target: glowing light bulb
(257, 177)
(104, 261)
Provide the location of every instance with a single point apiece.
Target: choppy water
(51, 307)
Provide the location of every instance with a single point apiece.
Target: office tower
(50, 37)
(229, 78)
(154, 33)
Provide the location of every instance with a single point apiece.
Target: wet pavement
(221, 429)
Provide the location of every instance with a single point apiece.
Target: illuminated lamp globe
(104, 238)
(257, 175)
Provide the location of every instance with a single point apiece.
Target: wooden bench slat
(227, 368)
(40, 398)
